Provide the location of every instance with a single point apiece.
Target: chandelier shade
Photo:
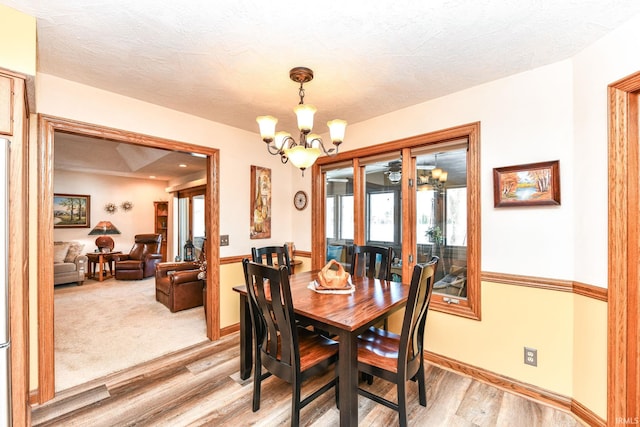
(304, 152)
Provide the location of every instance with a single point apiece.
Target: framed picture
(527, 185)
(71, 211)
(260, 203)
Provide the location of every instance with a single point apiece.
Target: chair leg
(257, 381)
(295, 402)
(402, 403)
(422, 389)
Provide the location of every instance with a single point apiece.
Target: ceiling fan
(394, 170)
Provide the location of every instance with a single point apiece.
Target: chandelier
(303, 153)
(434, 176)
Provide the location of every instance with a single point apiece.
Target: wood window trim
(469, 308)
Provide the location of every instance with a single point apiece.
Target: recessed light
(182, 165)
(152, 176)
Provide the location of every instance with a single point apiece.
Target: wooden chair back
(415, 316)
(272, 310)
(265, 255)
(371, 261)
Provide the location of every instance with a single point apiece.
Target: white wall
(524, 118)
(610, 59)
(105, 189)
(238, 151)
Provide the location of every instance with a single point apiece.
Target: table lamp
(103, 241)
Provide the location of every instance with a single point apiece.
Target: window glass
(441, 217)
(382, 217)
(339, 215)
(330, 221)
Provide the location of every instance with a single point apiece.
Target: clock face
(300, 200)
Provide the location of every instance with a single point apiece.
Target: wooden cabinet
(161, 212)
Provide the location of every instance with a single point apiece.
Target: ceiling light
(182, 165)
(152, 176)
(304, 153)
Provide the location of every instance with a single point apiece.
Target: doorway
(47, 126)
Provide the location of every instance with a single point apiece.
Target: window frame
(469, 307)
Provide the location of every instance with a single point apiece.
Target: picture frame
(71, 211)
(532, 184)
(260, 214)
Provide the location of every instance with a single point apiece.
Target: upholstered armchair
(141, 260)
(178, 286)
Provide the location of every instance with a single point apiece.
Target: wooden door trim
(623, 379)
(47, 125)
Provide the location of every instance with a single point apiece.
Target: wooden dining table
(344, 315)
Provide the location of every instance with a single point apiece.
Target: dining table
(343, 315)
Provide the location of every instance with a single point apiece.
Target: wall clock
(300, 200)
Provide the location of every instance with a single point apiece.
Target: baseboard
(34, 397)
(228, 330)
(514, 386)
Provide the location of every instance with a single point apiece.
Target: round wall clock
(300, 200)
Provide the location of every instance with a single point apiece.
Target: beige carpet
(105, 327)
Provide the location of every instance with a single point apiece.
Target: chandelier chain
(301, 93)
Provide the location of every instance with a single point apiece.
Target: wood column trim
(623, 380)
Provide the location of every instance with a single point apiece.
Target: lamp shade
(104, 227)
(267, 126)
(302, 157)
(103, 242)
(336, 130)
(305, 113)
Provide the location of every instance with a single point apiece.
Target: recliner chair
(141, 260)
(178, 286)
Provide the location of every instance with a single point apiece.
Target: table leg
(100, 267)
(246, 345)
(348, 379)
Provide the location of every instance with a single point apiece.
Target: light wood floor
(200, 386)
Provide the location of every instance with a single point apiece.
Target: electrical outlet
(224, 240)
(530, 356)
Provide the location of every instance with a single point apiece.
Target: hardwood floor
(200, 386)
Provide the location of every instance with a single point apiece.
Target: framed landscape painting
(71, 211)
(527, 185)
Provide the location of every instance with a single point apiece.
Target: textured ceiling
(228, 61)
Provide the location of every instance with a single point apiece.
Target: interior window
(339, 215)
(421, 196)
(441, 217)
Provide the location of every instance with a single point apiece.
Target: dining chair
(399, 358)
(371, 261)
(265, 255)
(283, 348)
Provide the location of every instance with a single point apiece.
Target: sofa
(69, 263)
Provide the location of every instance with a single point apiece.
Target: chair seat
(130, 264)
(379, 348)
(314, 348)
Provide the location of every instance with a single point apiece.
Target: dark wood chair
(284, 349)
(371, 261)
(399, 358)
(265, 255)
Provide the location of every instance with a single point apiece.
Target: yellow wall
(18, 47)
(590, 354)
(231, 275)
